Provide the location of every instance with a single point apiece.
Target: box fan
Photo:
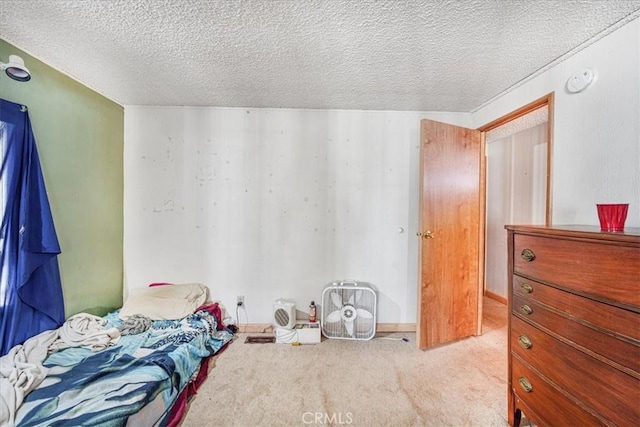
(349, 311)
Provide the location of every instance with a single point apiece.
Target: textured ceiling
(429, 55)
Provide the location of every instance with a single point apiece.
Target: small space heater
(284, 314)
(349, 311)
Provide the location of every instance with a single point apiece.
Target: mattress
(134, 382)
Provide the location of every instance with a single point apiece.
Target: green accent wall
(80, 139)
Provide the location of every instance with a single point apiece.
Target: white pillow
(164, 302)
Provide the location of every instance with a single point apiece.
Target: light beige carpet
(380, 382)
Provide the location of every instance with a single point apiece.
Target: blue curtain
(31, 298)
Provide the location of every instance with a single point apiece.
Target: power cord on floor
(240, 305)
(286, 336)
(392, 339)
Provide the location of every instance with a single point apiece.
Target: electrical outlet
(240, 300)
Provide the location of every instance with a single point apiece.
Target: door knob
(426, 235)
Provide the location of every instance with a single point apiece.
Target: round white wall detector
(580, 80)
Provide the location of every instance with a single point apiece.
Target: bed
(142, 378)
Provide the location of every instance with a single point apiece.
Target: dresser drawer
(582, 266)
(622, 322)
(545, 399)
(623, 352)
(609, 391)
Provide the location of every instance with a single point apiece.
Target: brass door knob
(426, 235)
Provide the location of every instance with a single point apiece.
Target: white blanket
(85, 330)
(21, 370)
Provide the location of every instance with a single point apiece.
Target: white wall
(596, 147)
(277, 203)
(271, 203)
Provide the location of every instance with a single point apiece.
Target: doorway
(517, 189)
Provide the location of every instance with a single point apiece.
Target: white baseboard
(262, 328)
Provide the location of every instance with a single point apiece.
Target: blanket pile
(21, 370)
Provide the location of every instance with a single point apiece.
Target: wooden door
(450, 234)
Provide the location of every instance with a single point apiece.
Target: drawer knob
(528, 255)
(526, 309)
(526, 288)
(524, 342)
(525, 385)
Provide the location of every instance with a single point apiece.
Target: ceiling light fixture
(15, 69)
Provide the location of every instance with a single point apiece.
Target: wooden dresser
(574, 326)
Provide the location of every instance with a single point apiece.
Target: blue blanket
(110, 387)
